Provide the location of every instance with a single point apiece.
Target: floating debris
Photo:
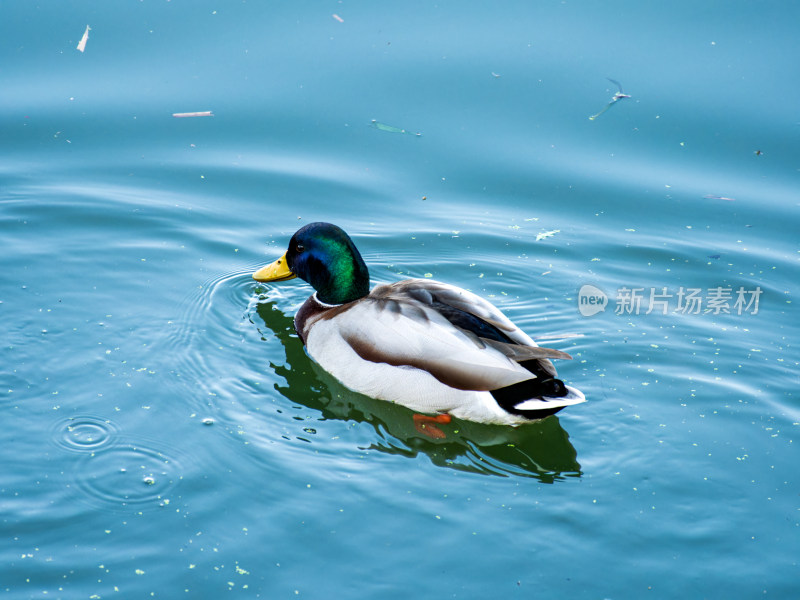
(758, 153)
(84, 39)
(205, 113)
(557, 336)
(338, 18)
(620, 95)
(496, 75)
(391, 129)
(712, 197)
(546, 234)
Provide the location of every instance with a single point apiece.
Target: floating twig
(206, 113)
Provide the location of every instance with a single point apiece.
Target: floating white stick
(206, 113)
(84, 39)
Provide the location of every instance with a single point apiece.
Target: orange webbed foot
(426, 425)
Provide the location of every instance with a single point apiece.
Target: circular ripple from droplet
(129, 474)
(84, 433)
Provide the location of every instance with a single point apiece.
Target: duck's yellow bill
(277, 271)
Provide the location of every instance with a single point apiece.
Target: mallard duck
(432, 347)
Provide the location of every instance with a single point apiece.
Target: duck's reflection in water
(540, 449)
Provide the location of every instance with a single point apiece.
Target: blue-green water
(164, 435)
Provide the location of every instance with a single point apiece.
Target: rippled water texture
(165, 434)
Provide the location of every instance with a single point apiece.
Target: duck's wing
(475, 317)
(442, 296)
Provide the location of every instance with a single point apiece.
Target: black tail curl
(510, 396)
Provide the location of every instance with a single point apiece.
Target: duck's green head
(323, 255)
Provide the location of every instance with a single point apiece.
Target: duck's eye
(300, 247)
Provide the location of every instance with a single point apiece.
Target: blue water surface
(164, 433)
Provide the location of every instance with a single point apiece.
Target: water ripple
(84, 433)
(129, 474)
(208, 308)
(206, 339)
